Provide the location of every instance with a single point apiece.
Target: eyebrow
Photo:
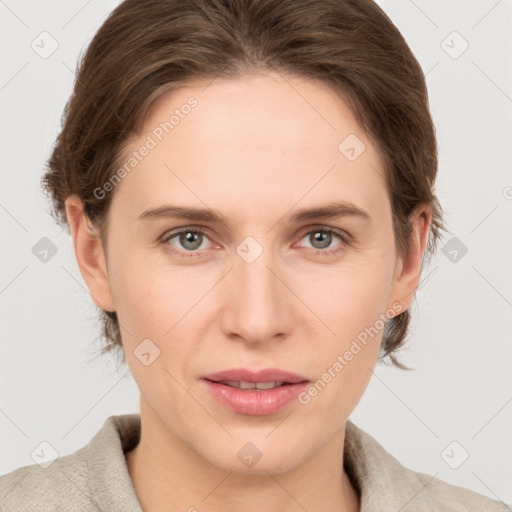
(328, 211)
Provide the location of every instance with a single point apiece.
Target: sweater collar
(372, 470)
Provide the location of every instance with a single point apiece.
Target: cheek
(139, 295)
(161, 303)
(352, 302)
(350, 297)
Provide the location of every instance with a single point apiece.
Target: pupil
(190, 237)
(321, 236)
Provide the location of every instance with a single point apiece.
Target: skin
(255, 149)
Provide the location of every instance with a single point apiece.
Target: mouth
(240, 384)
(260, 379)
(257, 393)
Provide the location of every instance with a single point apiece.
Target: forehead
(261, 139)
(261, 109)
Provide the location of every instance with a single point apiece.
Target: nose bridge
(257, 300)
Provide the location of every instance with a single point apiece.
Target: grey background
(52, 388)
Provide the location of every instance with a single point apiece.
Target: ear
(89, 254)
(408, 268)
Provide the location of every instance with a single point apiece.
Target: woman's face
(262, 289)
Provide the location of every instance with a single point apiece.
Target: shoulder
(92, 478)
(60, 486)
(436, 494)
(385, 484)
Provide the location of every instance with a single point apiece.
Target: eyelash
(190, 254)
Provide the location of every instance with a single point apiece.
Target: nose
(259, 305)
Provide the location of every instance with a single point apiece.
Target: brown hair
(145, 49)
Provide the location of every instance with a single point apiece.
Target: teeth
(252, 385)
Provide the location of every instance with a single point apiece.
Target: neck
(169, 475)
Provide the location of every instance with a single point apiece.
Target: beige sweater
(96, 478)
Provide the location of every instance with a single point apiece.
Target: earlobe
(408, 271)
(89, 254)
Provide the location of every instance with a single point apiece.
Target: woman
(249, 185)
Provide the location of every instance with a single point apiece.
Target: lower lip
(255, 402)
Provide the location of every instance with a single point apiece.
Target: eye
(189, 239)
(322, 237)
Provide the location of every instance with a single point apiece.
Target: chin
(246, 458)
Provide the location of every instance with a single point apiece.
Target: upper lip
(266, 375)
